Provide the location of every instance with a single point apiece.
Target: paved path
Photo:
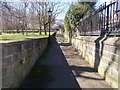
(67, 69)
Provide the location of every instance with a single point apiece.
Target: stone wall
(0, 66)
(102, 53)
(18, 57)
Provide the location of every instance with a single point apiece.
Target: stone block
(24, 53)
(91, 62)
(108, 53)
(119, 78)
(111, 56)
(108, 69)
(18, 58)
(6, 82)
(8, 71)
(101, 71)
(6, 51)
(7, 61)
(108, 63)
(18, 48)
(111, 80)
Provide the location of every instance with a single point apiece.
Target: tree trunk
(40, 31)
(33, 29)
(25, 18)
(26, 31)
(45, 30)
(22, 31)
(39, 25)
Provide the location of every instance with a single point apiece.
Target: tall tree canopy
(74, 14)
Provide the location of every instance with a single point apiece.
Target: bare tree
(25, 16)
(39, 15)
(29, 15)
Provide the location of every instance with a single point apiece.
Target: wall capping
(20, 40)
(113, 41)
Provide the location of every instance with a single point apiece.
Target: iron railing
(104, 20)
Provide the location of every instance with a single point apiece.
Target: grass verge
(18, 36)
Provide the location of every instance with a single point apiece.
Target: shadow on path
(64, 44)
(86, 76)
(51, 72)
(79, 70)
(58, 70)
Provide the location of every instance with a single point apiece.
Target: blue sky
(62, 15)
(67, 4)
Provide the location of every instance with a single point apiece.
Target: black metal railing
(104, 20)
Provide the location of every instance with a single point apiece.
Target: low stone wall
(18, 57)
(102, 53)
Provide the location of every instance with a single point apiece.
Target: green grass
(18, 36)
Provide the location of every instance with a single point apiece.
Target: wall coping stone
(20, 41)
(113, 41)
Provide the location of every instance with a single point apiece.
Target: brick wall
(102, 53)
(18, 57)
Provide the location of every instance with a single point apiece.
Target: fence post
(107, 24)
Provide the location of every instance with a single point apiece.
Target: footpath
(63, 67)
